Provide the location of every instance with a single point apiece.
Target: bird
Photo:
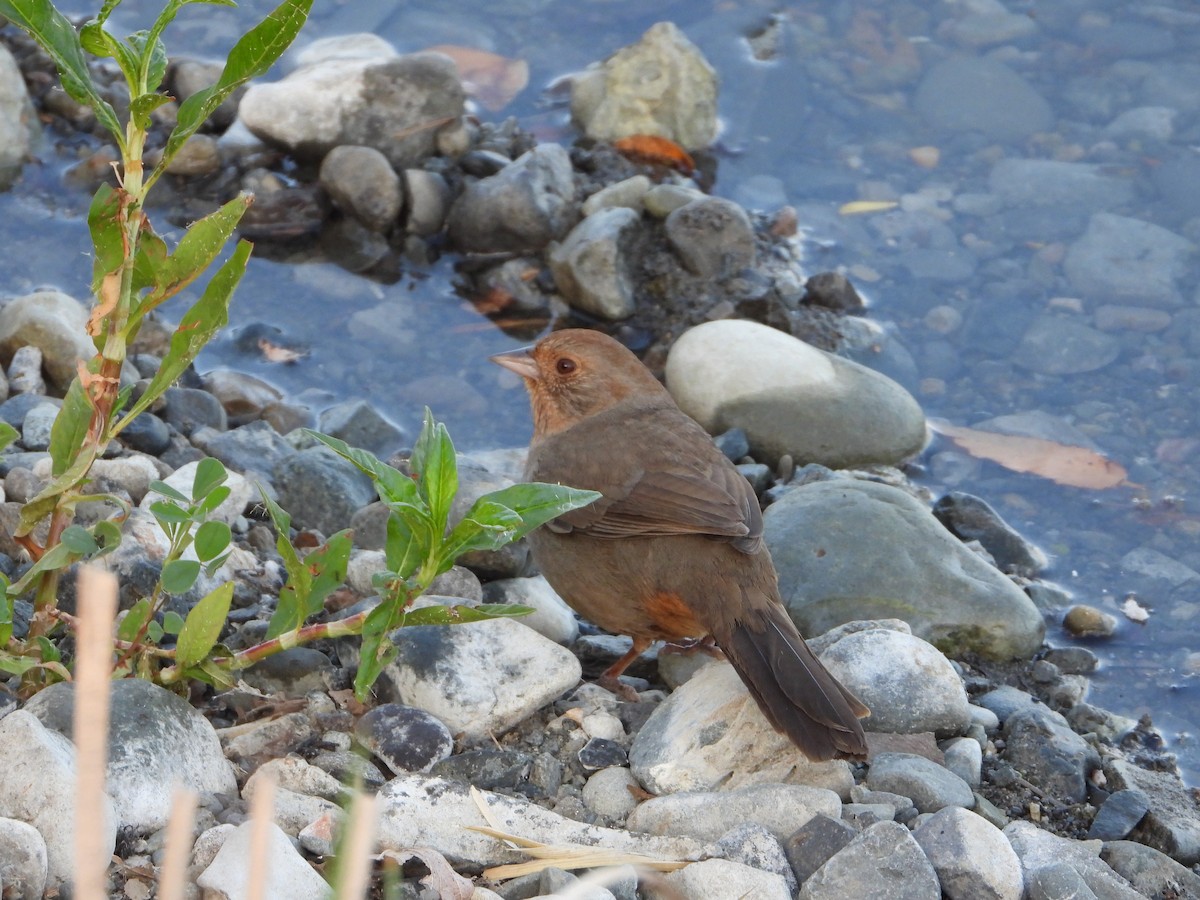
(673, 548)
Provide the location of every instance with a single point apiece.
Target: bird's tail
(793, 688)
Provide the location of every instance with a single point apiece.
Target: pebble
(321, 490)
(812, 844)
(18, 127)
(712, 237)
(243, 396)
(287, 873)
(1040, 850)
(148, 434)
(1152, 873)
(608, 793)
(187, 409)
(200, 155)
(756, 847)
(1087, 621)
(25, 372)
(627, 194)
(1172, 823)
(1082, 187)
(660, 85)
(427, 198)
(706, 816)
(1129, 261)
(1054, 345)
(254, 448)
(867, 867)
(973, 859)
(54, 323)
(790, 397)
(1119, 815)
(360, 425)
(551, 617)
(35, 431)
(971, 518)
(1042, 745)
(486, 769)
(362, 183)
(720, 879)
(591, 266)
(930, 786)
(23, 859)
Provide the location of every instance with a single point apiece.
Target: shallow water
(822, 107)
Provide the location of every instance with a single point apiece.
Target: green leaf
(377, 649)
(457, 615)
(152, 56)
(108, 534)
(161, 487)
(151, 259)
(145, 104)
(392, 485)
(79, 540)
(209, 474)
(215, 498)
(402, 549)
(434, 463)
(48, 651)
(211, 672)
(486, 526)
(305, 596)
(172, 622)
(57, 36)
(208, 316)
(179, 575)
(57, 557)
(40, 506)
(6, 612)
(155, 631)
(537, 503)
(211, 540)
(8, 434)
(203, 626)
(134, 621)
(200, 245)
(250, 57)
(167, 513)
(108, 238)
(70, 426)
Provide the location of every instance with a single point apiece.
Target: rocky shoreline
(990, 774)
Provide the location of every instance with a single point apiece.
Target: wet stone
(1073, 660)
(833, 290)
(1119, 815)
(980, 94)
(404, 738)
(360, 425)
(486, 769)
(1057, 346)
(713, 237)
(1087, 621)
(972, 519)
(362, 184)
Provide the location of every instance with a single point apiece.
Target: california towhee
(674, 548)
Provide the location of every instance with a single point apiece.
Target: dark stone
(190, 408)
(14, 409)
(1073, 660)
(404, 738)
(734, 444)
(358, 424)
(1042, 746)
(812, 845)
(1119, 815)
(971, 519)
(254, 447)
(147, 433)
(321, 490)
(486, 769)
(600, 753)
(833, 291)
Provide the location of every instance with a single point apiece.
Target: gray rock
(712, 237)
(1054, 345)
(362, 183)
(360, 425)
(1038, 849)
(486, 768)
(424, 811)
(1058, 881)
(253, 447)
(1042, 746)
(288, 875)
(591, 268)
(23, 865)
(147, 433)
(479, 678)
(906, 683)
(628, 194)
(293, 672)
(706, 816)
(200, 155)
(1156, 566)
(243, 396)
(25, 372)
(555, 882)
(551, 618)
(663, 199)
(321, 490)
(383, 103)
(930, 787)
(721, 879)
(16, 408)
(791, 398)
(1154, 122)
(37, 786)
(849, 550)
(156, 740)
(1115, 318)
(964, 757)
(1173, 823)
(523, 207)
(1151, 872)
(1119, 815)
(187, 409)
(53, 322)
(1047, 182)
(607, 793)
(661, 85)
(971, 519)
(18, 121)
(427, 201)
(1126, 260)
(972, 858)
(883, 861)
(35, 432)
(812, 844)
(190, 76)
(981, 94)
(352, 245)
(263, 742)
(710, 733)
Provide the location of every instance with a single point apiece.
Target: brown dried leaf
(491, 79)
(1062, 463)
(277, 353)
(655, 150)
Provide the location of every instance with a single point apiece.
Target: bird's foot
(690, 646)
(614, 685)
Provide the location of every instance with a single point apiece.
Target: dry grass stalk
(262, 807)
(354, 863)
(93, 671)
(172, 878)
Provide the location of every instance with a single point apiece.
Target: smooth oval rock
(591, 267)
(55, 323)
(848, 550)
(791, 398)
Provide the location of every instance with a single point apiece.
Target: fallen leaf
(859, 207)
(1062, 463)
(926, 157)
(661, 151)
(491, 79)
(442, 879)
(1134, 611)
(277, 353)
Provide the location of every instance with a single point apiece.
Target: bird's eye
(565, 365)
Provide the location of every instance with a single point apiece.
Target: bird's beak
(519, 361)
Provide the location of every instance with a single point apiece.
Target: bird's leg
(686, 647)
(610, 679)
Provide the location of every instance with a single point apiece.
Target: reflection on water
(1040, 259)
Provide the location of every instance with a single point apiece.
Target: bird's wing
(667, 479)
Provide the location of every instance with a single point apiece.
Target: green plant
(134, 272)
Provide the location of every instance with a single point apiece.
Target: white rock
(790, 397)
(18, 121)
(1038, 849)
(711, 733)
(906, 682)
(721, 879)
(133, 473)
(288, 875)
(37, 786)
(705, 816)
(423, 810)
(551, 618)
(964, 757)
(972, 857)
(242, 493)
(480, 678)
(22, 861)
(363, 45)
(55, 323)
(607, 793)
(303, 793)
